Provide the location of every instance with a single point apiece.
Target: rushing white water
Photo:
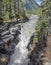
(20, 55)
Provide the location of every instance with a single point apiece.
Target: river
(20, 55)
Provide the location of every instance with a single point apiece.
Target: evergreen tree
(10, 9)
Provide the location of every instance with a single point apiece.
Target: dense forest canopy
(11, 9)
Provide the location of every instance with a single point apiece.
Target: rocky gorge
(17, 44)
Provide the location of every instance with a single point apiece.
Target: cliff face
(30, 4)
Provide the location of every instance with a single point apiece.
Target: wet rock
(8, 40)
(19, 27)
(16, 36)
(36, 55)
(31, 42)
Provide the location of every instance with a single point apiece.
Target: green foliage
(6, 17)
(43, 22)
(30, 12)
(38, 11)
(11, 9)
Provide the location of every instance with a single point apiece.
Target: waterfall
(20, 56)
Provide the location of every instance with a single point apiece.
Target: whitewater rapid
(20, 56)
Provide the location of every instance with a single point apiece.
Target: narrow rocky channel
(20, 56)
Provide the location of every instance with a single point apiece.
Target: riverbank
(41, 55)
(39, 40)
(47, 59)
(36, 55)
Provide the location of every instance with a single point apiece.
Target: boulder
(4, 59)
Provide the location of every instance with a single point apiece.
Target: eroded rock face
(35, 57)
(37, 54)
(9, 38)
(31, 42)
